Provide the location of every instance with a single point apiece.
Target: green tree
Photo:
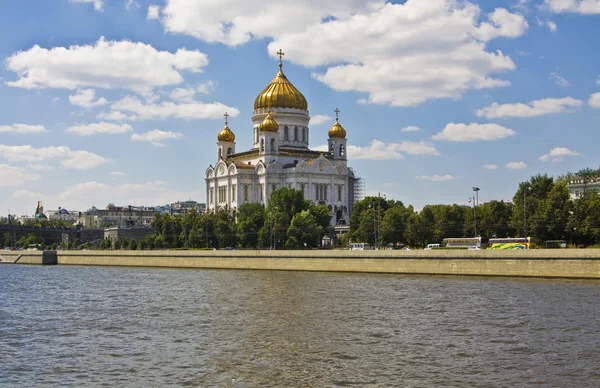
(494, 219)
(529, 196)
(224, 229)
(8, 239)
(394, 224)
(304, 231)
(133, 245)
(283, 204)
(250, 219)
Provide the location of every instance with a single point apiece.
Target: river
(102, 326)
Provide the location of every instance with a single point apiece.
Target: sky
(120, 101)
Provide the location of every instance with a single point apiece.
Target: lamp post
(475, 204)
(525, 210)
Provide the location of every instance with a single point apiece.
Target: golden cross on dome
(281, 54)
(337, 111)
(226, 117)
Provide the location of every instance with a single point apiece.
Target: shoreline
(540, 263)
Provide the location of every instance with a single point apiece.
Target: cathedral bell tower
(337, 140)
(268, 136)
(226, 141)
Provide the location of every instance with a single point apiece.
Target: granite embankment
(571, 263)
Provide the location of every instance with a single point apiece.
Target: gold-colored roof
(226, 134)
(269, 124)
(337, 131)
(280, 94)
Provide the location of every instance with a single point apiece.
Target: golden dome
(269, 124)
(226, 134)
(280, 94)
(337, 131)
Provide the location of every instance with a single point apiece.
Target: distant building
(577, 186)
(39, 215)
(120, 233)
(117, 216)
(63, 214)
(185, 206)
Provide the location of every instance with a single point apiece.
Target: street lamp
(525, 210)
(475, 204)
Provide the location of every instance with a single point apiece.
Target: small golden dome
(269, 124)
(280, 94)
(226, 134)
(337, 131)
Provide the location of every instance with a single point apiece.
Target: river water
(97, 326)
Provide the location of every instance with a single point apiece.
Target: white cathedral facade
(281, 156)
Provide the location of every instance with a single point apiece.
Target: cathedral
(280, 156)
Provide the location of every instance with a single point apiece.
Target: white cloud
(557, 154)
(436, 178)
(85, 99)
(532, 109)
(410, 52)
(106, 64)
(206, 88)
(163, 110)
(320, 119)
(22, 128)
(38, 167)
(410, 128)
(418, 148)
(594, 101)
(588, 7)
(490, 166)
(15, 176)
(117, 174)
(598, 81)
(79, 160)
(516, 165)
(548, 23)
(182, 94)
(156, 137)
(131, 4)
(473, 132)
(378, 150)
(560, 81)
(153, 12)
(102, 127)
(116, 116)
(98, 4)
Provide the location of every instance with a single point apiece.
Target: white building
(63, 214)
(577, 186)
(280, 156)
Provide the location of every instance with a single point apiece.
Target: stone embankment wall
(531, 263)
(21, 257)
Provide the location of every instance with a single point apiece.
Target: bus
(509, 243)
(462, 242)
(360, 247)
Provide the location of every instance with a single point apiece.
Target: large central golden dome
(280, 94)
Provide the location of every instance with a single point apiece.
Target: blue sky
(121, 101)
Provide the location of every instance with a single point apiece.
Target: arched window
(303, 134)
(273, 145)
(229, 151)
(331, 148)
(219, 153)
(295, 133)
(262, 145)
(256, 135)
(245, 193)
(342, 150)
(286, 133)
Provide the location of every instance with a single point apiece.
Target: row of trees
(288, 221)
(541, 208)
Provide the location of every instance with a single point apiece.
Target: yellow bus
(507, 244)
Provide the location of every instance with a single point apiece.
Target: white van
(359, 247)
(431, 246)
